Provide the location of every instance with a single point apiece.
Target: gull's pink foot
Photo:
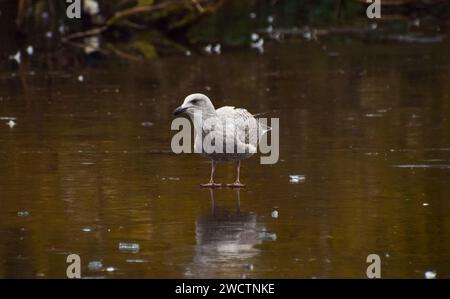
(236, 185)
(210, 185)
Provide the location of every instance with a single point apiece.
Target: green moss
(145, 48)
(145, 2)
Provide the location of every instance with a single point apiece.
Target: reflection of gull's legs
(238, 200)
(211, 183)
(237, 183)
(213, 201)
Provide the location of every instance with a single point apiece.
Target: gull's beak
(179, 110)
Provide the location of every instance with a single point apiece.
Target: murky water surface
(87, 168)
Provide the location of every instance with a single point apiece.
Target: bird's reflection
(225, 241)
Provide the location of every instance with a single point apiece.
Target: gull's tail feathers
(263, 128)
(264, 113)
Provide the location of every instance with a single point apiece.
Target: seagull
(11, 123)
(237, 129)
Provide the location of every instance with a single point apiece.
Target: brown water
(367, 125)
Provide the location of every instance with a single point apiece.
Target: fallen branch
(137, 10)
(122, 54)
(87, 33)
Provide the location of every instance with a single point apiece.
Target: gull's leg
(211, 183)
(237, 184)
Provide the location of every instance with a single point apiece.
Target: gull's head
(195, 103)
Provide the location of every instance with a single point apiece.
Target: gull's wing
(240, 124)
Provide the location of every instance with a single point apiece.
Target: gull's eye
(195, 101)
